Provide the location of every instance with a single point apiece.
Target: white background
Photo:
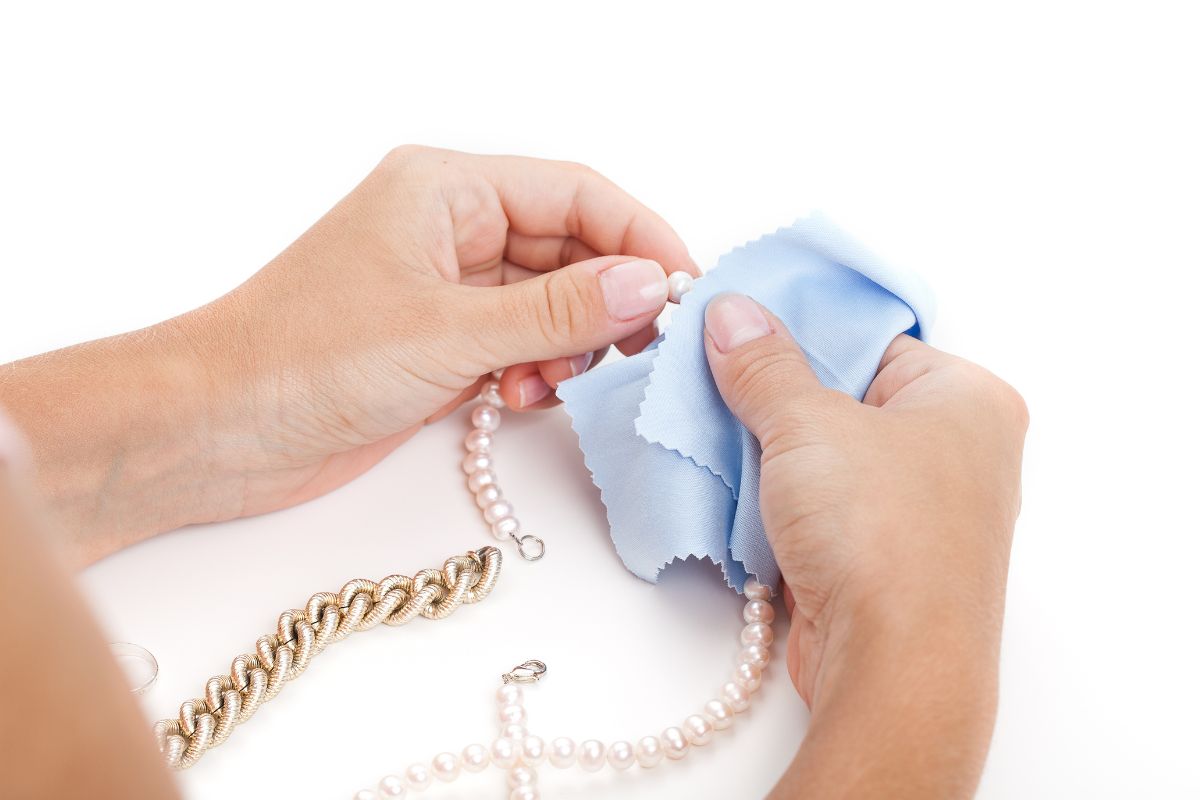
(1036, 162)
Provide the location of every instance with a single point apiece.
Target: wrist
(115, 428)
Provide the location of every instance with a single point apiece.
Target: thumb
(576, 309)
(762, 373)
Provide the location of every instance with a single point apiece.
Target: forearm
(904, 709)
(68, 725)
(117, 427)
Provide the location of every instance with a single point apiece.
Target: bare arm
(68, 726)
(439, 268)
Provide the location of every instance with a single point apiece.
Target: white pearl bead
(478, 441)
(480, 478)
(754, 654)
(446, 767)
(748, 676)
(512, 713)
(719, 713)
(365, 794)
(504, 528)
(417, 777)
(515, 731)
(485, 418)
(758, 633)
(620, 755)
(562, 752)
(490, 394)
(521, 775)
(675, 743)
(756, 591)
(505, 752)
(488, 495)
(679, 283)
(533, 750)
(497, 511)
(737, 697)
(524, 793)
(649, 751)
(510, 694)
(591, 755)
(473, 462)
(392, 786)
(759, 611)
(698, 730)
(475, 758)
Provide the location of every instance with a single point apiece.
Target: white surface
(1037, 162)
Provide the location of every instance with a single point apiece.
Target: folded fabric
(677, 472)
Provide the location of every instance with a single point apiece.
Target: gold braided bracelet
(231, 699)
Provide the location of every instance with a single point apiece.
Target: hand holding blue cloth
(677, 472)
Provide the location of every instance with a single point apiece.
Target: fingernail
(531, 389)
(634, 289)
(579, 364)
(734, 319)
(13, 449)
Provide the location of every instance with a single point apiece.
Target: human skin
(891, 520)
(387, 314)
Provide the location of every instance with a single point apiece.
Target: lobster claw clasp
(529, 672)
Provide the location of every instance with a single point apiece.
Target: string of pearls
(479, 465)
(516, 750)
(520, 754)
(498, 511)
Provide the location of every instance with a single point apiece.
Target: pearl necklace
(478, 464)
(521, 753)
(516, 750)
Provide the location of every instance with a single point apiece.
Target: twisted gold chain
(279, 657)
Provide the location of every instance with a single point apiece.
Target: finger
(905, 360)
(544, 253)
(557, 199)
(638, 341)
(557, 370)
(577, 309)
(523, 387)
(761, 372)
(531, 387)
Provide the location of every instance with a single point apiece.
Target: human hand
(891, 520)
(439, 268)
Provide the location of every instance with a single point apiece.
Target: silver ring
(139, 665)
(530, 547)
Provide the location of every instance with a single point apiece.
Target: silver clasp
(529, 672)
(530, 547)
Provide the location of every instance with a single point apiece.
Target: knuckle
(404, 154)
(579, 168)
(563, 310)
(761, 377)
(1011, 399)
(993, 392)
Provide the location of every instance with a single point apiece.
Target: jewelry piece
(679, 283)
(303, 634)
(498, 512)
(139, 665)
(521, 753)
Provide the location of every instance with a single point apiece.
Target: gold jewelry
(279, 657)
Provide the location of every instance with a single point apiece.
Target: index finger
(559, 198)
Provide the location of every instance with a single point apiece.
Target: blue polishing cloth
(677, 472)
